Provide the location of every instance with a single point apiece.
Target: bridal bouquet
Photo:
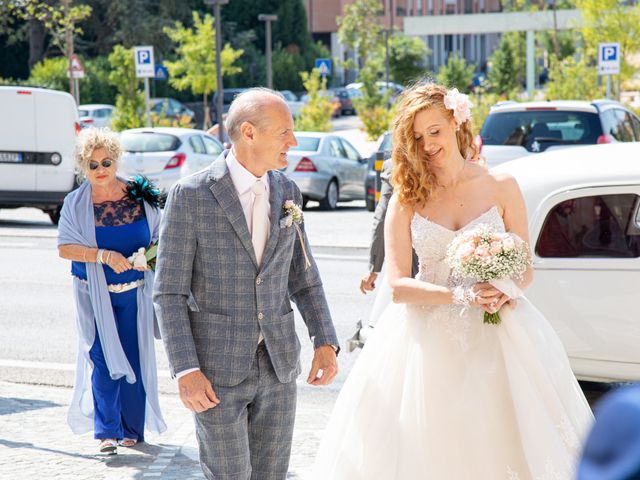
(485, 255)
(145, 257)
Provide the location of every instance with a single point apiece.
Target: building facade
(475, 48)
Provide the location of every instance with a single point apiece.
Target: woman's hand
(116, 261)
(490, 299)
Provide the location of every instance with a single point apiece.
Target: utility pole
(219, 87)
(68, 37)
(263, 17)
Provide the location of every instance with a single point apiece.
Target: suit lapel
(225, 193)
(275, 203)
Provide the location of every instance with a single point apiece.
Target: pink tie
(259, 220)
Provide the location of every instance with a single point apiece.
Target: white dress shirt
(242, 180)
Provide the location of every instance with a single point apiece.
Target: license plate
(10, 157)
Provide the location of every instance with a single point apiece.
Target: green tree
(315, 115)
(456, 73)
(571, 79)
(407, 57)
(286, 68)
(359, 28)
(611, 21)
(195, 67)
(503, 75)
(130, 106)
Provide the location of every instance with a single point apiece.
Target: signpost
(76, 72)
(145, 68)
(608, 62)
(324, 65)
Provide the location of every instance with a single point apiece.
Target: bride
(436, 393)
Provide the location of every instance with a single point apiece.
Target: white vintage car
(584, 220)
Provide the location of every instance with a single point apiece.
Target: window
(211, 146)
(604, 226)
(636, 126)
(149, 142)
(335, 148)
(352, 154)
(536, 130)
(307, 144)
(626, 126)
(196, 144)
(616, 123)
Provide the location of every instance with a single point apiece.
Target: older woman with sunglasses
(103, 222)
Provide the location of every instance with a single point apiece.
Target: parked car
(396, 89)
(584, 222)
(346, 97)
(96, 115)
(165, 155)
(38, 129)
(326, 168)
(227, 97)
(384, 148)
(513, 130)
(333, 98)
(171, 108)
(293, 102)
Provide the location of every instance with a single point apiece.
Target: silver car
(326, 168)
(165, 154)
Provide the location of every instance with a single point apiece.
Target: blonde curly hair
(91, 139)
(413, 178)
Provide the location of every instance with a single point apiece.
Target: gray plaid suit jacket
(210, 295)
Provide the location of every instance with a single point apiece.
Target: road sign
(161, 72)
(77, 70)
(324, 65)
(608, 58)
(145, 66)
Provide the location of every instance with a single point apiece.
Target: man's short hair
(249, 107)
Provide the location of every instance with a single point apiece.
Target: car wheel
(371, 204)
(54, 214)
(330, 200)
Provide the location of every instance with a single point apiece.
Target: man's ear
(247, 131)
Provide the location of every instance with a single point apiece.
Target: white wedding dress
(436, 394)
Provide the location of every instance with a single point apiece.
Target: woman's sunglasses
(105, 163)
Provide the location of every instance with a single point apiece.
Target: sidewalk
(36, 443)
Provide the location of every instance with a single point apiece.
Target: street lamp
(219, 88)
(263, 17)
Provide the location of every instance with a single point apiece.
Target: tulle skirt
(439, 395)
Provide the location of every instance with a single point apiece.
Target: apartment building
(475, 48)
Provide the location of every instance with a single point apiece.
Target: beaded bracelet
(463, 296)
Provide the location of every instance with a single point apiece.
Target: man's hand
(324, 366)
(368, 282)
(196, 392)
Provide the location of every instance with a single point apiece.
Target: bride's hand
(487, 296)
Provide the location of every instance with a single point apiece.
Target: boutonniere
(293, 217)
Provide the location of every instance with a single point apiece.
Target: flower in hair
(460, 105)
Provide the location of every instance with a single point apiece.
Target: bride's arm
(398, 248)
(514, 216)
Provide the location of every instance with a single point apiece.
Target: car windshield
(149, 142)
(536, 130)
(307, 144)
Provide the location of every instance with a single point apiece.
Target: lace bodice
(114, 213)
(430, 241)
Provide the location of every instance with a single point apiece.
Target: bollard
(378, 168)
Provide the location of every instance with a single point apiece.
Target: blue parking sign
(145, 66)
(324, 65)
(608, 58)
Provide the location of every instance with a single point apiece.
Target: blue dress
(119, 406)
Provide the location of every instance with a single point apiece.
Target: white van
(38, 128)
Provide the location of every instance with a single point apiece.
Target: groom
(230, 260)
